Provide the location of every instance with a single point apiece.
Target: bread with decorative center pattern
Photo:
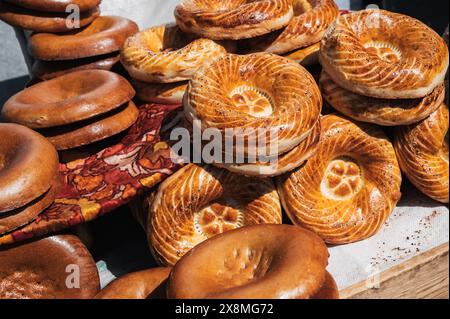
(347, 190)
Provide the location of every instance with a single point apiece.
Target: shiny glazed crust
(104, 35)
(93, 130)
(68, 99)
(347, 190)
(422, 151)
(254, 262)
(311, 19)
(383, 54)
(28, 166)
(306, 56)
(164, 54)
(42, 21)
(17, 218)
(47, 70)
(329, 289)
(146, 284)
(55, 5)
(197, 203)
(233, 19)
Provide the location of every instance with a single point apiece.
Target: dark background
(434, 13)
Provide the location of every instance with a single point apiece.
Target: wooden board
(425, 276)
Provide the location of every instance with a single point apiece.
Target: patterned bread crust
(164, 54)
(283, 97)
(197, 203)
(422, 151)
(312, 19)
(233, 19)
(383, 54)
(347, 190)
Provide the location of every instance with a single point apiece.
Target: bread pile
(292, 28)
(161, 59)
(393, 75)
(95, 46)
(266, 96)
(80, 101)
(379, 75)
(336, 176)
(75, 109)
(60, 44)
(216, 227)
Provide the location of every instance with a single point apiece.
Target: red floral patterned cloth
(107, 180)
